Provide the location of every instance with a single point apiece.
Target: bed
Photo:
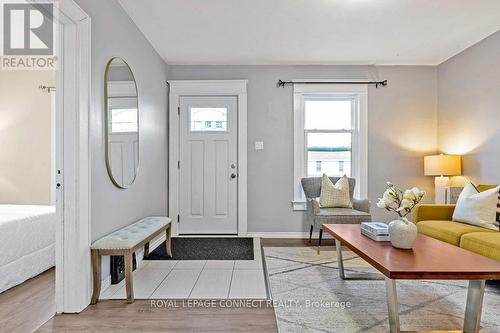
(27, 242)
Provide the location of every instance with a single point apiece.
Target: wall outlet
(259, 145)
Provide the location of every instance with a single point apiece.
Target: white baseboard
(287, 235)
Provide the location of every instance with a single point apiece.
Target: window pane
(208, 119)
(124, 120)
(329, 153)
(332, 114)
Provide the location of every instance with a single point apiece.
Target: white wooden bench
(125, 242)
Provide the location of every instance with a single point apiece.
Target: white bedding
(27, 242)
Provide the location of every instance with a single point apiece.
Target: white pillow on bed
(477, 208)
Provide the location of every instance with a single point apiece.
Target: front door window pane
(332, 151)
(208, 119)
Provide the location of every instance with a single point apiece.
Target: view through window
(328, 128)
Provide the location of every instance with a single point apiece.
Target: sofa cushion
(483, 243)
(448, 231)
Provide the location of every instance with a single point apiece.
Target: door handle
(233, 175)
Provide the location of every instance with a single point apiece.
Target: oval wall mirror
(122, 123)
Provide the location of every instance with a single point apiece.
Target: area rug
(206, 248)
(310, 297)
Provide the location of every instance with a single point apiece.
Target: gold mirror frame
(106, 125)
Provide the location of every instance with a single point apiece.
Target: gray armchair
(318, 216)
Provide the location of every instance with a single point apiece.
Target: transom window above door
(330, 133)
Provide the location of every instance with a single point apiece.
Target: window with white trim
(330, 133)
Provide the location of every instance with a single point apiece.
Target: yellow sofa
(436, 221)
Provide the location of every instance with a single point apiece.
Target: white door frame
(73, 274)
(179, 88)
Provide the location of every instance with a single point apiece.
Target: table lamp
(442, 166)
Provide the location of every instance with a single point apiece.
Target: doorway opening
(67, 161)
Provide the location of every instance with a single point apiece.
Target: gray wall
(469, 109)
(114, 34)
(398, 139)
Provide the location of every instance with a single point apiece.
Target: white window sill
(299, 205)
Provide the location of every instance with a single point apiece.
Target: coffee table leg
(474, 306)
(392, 305)
(339, 259)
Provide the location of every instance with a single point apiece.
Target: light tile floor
(196, 279)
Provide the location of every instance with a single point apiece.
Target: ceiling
(298, 32)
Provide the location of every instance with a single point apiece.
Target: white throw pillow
(477, 208)
(335, 195)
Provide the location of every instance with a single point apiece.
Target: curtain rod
(282, 83)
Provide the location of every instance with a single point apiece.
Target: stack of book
(375, 230)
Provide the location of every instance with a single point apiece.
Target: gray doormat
(206, 248)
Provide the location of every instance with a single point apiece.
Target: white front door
(208, 165)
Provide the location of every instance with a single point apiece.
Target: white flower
(381, 203)
(389, 196)
(405, 205)
(416, 191)
(400, 202)
(410, 195)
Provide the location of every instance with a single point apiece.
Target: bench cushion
(130, 236)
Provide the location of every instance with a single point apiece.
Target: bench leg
(146, 250)
(168, 241)
(128, 277)
(96, 271)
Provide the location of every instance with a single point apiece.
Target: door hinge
(178, 218)
(179, 110)
(178, 164)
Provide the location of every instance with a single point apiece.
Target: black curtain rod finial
(383, 83)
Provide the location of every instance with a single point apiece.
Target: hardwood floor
(27, 306)
(117, 316)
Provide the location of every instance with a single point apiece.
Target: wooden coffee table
(430, 259)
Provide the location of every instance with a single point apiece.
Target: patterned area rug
(312, 298)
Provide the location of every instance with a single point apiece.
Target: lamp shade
(443, 165)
